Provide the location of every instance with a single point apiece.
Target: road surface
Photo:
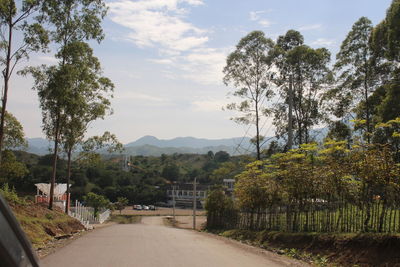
(151, 244)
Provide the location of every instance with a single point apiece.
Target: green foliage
(12, 171)
(73, 93)
(10, 194)
(254, 188)
(88, 93)
(249, 69)
(96, 201)
(355, 68)
(143, 183)
(227, 170)
(14, 136)
(367, 76)
(220, 209)
(306, 70)
(49, 216)
(339, 131)
(221, 156)
(16, 17)
(308, 180)
(75, 20)
(386, 35)
(171, 172)
(125, 219)
(121, 203)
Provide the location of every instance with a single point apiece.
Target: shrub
(221, 210)
(10, 194)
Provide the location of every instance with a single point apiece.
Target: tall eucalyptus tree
(284, 80)
(249, 69)
(303, 77)
(88, 92)
(357, 74)
(69, 21)
(17, 18)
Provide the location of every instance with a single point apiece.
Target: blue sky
(165, 58)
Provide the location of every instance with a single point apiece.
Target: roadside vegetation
(145, 182)
(40, 224)
(347, 181)
(125, 219)
(335, 195)
(329, 249)
(332, 190)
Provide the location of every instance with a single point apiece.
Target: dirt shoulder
(326, 249)
(186, 222)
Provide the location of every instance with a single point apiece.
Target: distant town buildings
(184, 194)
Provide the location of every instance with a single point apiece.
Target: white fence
(104, 216)
(86, 215)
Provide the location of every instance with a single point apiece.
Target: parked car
(152, 207)
(146, 207)
(137, 207)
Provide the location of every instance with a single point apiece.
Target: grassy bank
(327, 249)
(125, 219)
(42, 225)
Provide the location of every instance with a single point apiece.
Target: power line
(241, 141)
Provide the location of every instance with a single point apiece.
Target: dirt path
(151, 244)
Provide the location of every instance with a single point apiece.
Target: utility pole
(173, 201)
(194, 203)
(290, 123)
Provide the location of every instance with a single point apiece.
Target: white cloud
(209, 105)
(257, 16)
(158, 23)
(162, 61)
(324, 42)
(310, 27)
(265, 23)
(205, 65)
(131, 95)
(182, 47)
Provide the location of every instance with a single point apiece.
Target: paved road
(150, 244)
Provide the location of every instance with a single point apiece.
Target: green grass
(125, 219)
(39, 229)
(325, 249)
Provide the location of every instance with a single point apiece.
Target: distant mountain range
(38, 146)
(152, 146)
(187, 142)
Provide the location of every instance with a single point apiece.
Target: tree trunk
(54, 172)
(258, 132)
(367, 219)
(290, 123)
(382, 216)
(6, 76)
(68, 179)
(367, 111)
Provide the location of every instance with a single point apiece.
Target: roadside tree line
(73, 92)
(299, 88)
(327, 188)
(350, 181)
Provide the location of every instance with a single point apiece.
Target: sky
(166, 57)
